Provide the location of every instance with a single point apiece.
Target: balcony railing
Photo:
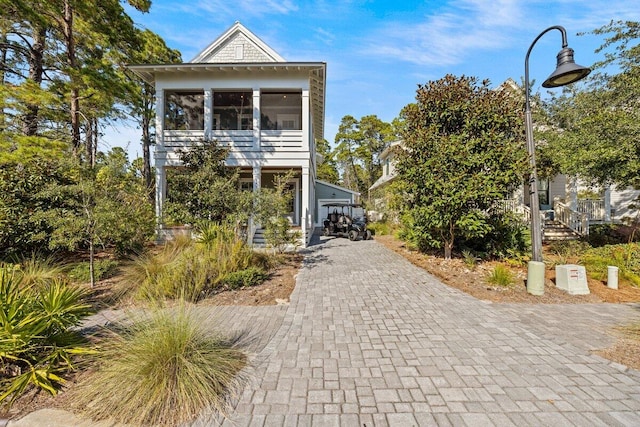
(270, 140)
(281, 139)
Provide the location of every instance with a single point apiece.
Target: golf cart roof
(343, 205)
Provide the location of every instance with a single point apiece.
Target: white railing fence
(577, 221)
(594, 208)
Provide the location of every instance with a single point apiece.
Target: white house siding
(558, 187)
(620, 201)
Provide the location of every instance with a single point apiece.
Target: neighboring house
(242, 94)
(562, 198)
(379, 192)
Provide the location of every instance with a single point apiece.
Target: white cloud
(445, 38)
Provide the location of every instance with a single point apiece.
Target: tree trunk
(448, 246)
(36, 70)
(3, 58)
(91, 141)
(91, 263)
(448, 241)
(74, 103)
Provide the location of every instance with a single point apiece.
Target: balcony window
(281, 110)
(184, 110)
(233, 110)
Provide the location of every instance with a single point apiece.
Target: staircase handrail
(576, 221)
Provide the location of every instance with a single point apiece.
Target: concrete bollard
(535, 278)
(612, 277)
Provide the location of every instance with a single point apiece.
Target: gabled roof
(237, 45)
(337, 187)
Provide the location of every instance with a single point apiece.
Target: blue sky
(377, 52)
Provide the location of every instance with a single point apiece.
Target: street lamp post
(566, 72)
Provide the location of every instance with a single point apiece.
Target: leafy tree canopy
(205, 188)
(359, 144)
(464, 149)
(595, 128)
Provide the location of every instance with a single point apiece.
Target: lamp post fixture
(566, 72)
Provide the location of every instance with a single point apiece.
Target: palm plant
(37, 342)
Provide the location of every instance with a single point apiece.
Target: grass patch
(163, 369)
(38, 270)
(102, 269)
(626, 257)
(501, 276)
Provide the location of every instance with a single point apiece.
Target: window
(184, 110)
(246, 184)
(543, 191)
(233, 110)
(281, 110)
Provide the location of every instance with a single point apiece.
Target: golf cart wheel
(353, 235)
(367, 235)
(326, 232)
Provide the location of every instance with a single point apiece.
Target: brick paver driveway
(369, 339)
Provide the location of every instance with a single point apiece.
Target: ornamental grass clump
(190, 270)
(166, 368)
(501, 276)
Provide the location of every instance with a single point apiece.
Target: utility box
(572, 279)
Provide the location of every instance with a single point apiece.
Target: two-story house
(241, 93)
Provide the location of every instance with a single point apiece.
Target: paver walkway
(371, 340)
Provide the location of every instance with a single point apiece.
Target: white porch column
(253, 225)
(159, 117)
(159, 156)
(306, 121)
(208, 114)
(161, 188)
(256, 121)
(304, 220)
(572, 185)
(607, 203)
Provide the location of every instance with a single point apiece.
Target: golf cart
(346, 220)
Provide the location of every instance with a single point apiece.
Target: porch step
(259, 240)
(554, 230)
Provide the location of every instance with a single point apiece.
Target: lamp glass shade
(567, 71)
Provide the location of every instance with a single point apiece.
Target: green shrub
(568, 248)
(251, 276)
(606, 234)
(39, 342)
(507, 239)
(380, 228)
(163, 369)
(626, 257)
(102, 269)
(501, 276)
